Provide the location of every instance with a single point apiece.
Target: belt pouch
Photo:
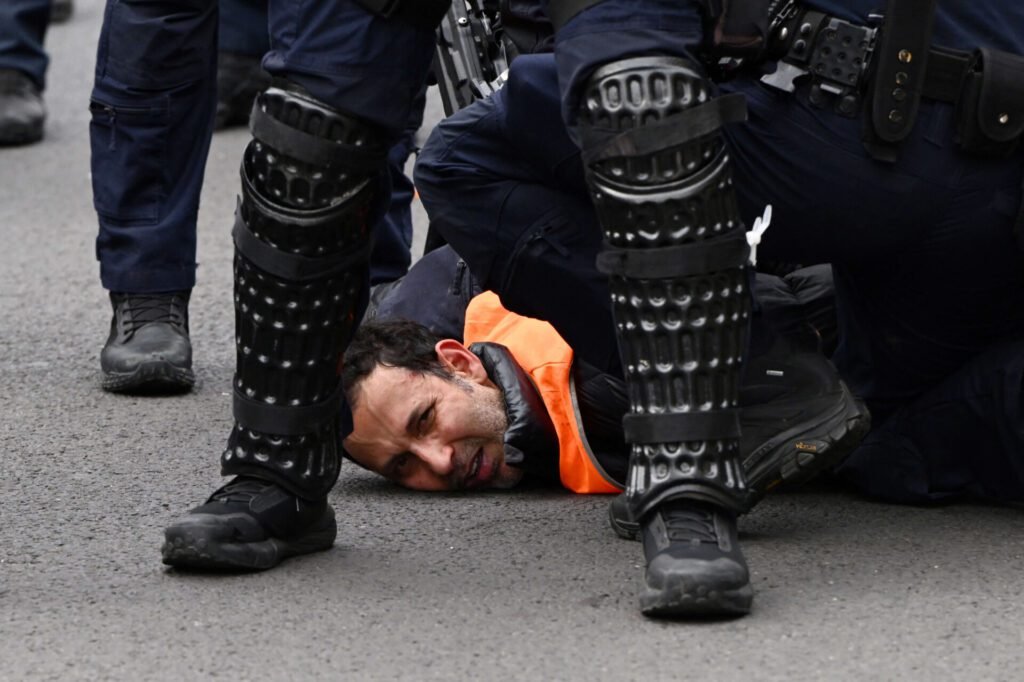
(990, 109)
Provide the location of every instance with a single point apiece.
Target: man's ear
(460, 360)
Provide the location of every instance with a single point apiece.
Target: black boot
(694, 562)
(148, 350)
(21, 109)
(798, 419)
(249, 524)
(301, 254)
(240, 77)
(61, 10)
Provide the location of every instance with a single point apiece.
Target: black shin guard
(675, 252)
(301, 251)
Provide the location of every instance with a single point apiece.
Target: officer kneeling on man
(487, 398)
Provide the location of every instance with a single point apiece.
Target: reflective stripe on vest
(547, 358)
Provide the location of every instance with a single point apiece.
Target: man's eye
(425, 417)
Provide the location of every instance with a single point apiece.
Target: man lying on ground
(488, 398)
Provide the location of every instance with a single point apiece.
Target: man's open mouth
(479, 471)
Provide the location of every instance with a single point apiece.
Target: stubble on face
(487, 410)
(468, 416)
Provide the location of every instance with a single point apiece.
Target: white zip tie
(754, 236)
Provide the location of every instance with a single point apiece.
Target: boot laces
(690, 524)
(151, 309)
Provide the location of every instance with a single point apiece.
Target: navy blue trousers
(243, 30)
(503, 183)
(243, 27)
(23, 25)
(152, 117)
(930, 284)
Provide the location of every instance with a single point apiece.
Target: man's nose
(440, 458)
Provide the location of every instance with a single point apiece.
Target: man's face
(428, 433)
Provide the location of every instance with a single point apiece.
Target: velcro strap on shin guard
(696, 258)
(312, 149)
(681, 427)
(285, 420)
(291, 266)
(600, 144)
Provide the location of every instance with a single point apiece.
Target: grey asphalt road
(520, 585)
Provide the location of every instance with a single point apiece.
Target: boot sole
(193, 546)
(17, 135)
(799, 454)
(679, 601)
(150, 378)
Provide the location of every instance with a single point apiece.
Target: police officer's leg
(962, 439)
(930, 292)
(242, 42)
(660, 178)
(311, 189)
(392, 244)
(23, 64)
(502, 184)
(242, 28)
(240, 77)
(152, 109)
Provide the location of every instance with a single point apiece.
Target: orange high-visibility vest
(547, 358)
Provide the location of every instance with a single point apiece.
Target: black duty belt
(881, 70)
(891, 63)
(837, 58)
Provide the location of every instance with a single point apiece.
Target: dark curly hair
(390, 343)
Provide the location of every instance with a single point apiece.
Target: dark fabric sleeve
(602, 401)
(435, 293)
